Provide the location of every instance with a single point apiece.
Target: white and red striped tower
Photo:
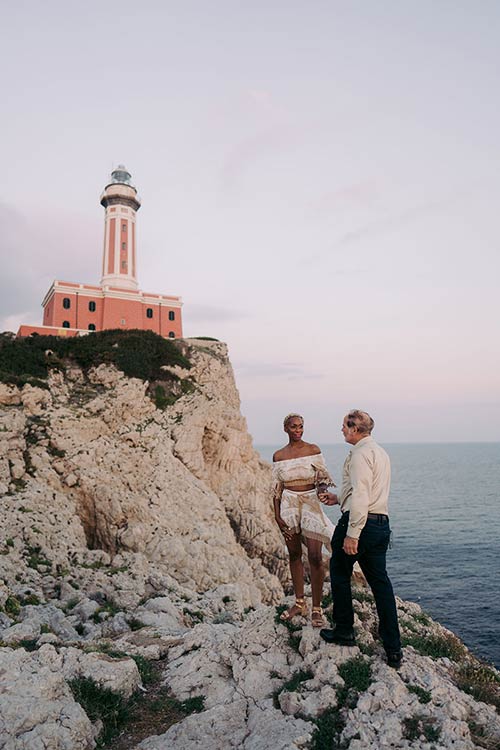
(121, 204)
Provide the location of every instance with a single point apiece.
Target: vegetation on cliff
(139, 354)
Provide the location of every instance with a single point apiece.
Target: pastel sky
(320, 182)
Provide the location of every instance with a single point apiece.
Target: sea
(444, 511)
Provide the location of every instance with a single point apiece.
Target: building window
(171, 315)
(66, 303)
(124, 227)
(91, 326)
(171, 335)
(65, 324)
(124, 264)
(124, 245)
(122, 322)
(149, 312)
(92, 306)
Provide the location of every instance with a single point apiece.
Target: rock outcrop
(131, 534)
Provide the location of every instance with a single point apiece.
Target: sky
(320, 182)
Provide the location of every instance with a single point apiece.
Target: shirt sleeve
(361, 474)
(321, 473)
(276, 484)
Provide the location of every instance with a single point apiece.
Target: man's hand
(328, 498)
(350, 546)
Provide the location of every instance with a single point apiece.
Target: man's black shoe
(394, 659)
(331, 636)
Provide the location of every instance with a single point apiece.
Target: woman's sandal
(299, 608)
(317, 618)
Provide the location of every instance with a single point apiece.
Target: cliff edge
(140, 567)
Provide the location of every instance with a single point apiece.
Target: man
(362, 534)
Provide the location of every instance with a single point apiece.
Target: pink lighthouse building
(71, 309)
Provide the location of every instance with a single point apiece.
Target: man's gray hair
(361, 420)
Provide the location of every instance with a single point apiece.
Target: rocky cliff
(133, 535)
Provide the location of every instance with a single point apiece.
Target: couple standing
(300, 483)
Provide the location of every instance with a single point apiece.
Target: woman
(299, 471)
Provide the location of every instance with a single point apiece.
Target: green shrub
(361, 595)
(139, 354)
(36, 558)
(135, 624)
(29, 599)
(481, 737)
(329, 727)
(416, 726)
(436, 645)
(356, 674)
(424, 696)
(12, 606)
(162, 399)
(29, 644)
(293, 684)
(479, 680)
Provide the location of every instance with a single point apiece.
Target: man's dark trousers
(372, 548)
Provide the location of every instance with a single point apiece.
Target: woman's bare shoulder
(314, 449)
(281, 454)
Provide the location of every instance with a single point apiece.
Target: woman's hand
(328, 498)
(285, 530)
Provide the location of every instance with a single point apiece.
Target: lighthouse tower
(73, 309)
(121, 205)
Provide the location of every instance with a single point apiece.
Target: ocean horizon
(443, 505)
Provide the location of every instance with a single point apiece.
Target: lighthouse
(73, 309)
(121, 204)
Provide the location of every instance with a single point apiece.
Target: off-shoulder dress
(302, 511)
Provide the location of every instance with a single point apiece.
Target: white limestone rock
(37, 709)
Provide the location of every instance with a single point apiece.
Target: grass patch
(29, 599)
(293, 684)
(36, 559)
(135, 624)
(195, 615)
(109, 608)
(143, 714)
(424, 696)
(100, 703)
(329, 727)
(356, 674)
(293, 638)
(436, 645)
(422, 618)
(480, 681)
(12, 606)
(480, 737)
(417, 726)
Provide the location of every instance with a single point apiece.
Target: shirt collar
(363, 441)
